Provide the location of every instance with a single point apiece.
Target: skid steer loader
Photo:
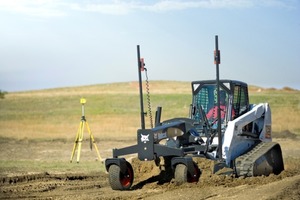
(236, 135)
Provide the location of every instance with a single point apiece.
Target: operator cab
(203, 113)
(234, 100)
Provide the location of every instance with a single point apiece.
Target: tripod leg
(75, 143)
(93, 140)
(80, 138)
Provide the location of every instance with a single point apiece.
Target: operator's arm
(211, 112)
(232, 113)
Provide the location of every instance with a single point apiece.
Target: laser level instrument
(79, 135)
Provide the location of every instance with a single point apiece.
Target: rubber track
(244, 163)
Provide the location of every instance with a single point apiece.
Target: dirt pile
(147, 172)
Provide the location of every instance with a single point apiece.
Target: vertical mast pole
(217, 62)
(140, 67)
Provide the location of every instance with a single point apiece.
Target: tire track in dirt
(150, 184)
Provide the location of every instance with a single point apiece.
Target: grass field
(112, 110)
(38, 130)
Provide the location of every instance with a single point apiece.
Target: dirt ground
(147, 182)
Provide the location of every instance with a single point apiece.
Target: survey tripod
(79, 135)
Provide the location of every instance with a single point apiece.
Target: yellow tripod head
(82, 101)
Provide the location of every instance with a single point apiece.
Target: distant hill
(114, 109)
(156, 87)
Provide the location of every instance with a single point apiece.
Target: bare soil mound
(150, 173)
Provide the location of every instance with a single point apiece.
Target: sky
(62, 43)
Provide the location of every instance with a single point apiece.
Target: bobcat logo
(144, 138)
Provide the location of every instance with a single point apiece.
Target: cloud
(125, 7)
(41, 8)
(168, 5)
(111, 7)
(57, 8)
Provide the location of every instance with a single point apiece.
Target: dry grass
(156, 87)
(285, 107)
(112, 110)
(287, 119)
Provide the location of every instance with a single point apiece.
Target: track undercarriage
(263, 159)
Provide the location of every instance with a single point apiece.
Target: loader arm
(246, 131)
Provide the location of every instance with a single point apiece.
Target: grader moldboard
(236, 135)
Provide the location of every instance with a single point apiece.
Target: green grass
(113, 109)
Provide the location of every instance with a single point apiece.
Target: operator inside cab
(212, 114)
